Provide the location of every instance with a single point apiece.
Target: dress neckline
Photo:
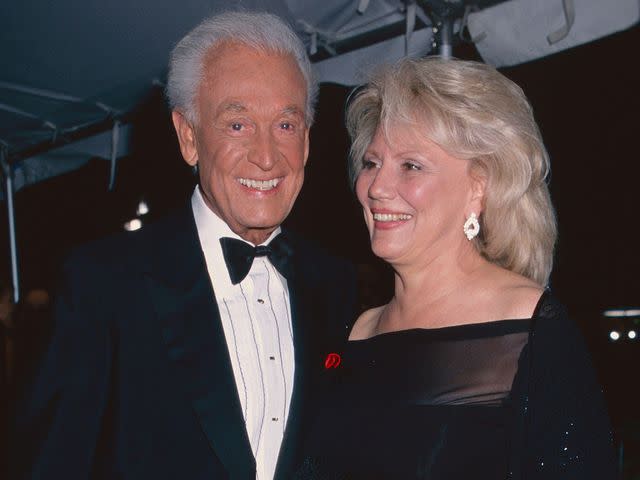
(465, 330)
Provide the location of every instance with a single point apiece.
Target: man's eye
(412, 166)
(287, 126)
(235, 126)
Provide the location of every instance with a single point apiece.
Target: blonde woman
(473, 369)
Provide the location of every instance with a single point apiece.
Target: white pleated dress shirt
(256, 318)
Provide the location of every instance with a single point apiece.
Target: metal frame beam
(7, 173)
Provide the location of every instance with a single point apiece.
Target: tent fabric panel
(516, 31)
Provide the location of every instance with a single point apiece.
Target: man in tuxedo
(195, 348)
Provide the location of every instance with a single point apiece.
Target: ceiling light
(132, 225)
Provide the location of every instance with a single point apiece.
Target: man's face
(251, 140)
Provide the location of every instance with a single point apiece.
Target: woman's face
(415, 196)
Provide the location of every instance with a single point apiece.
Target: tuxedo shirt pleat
(256, 319)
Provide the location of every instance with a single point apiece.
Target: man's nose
(264, 152)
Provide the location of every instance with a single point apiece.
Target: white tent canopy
(73, 70)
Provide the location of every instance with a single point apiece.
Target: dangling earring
(471, 226)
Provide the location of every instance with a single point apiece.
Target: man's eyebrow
(292, 110)
(236, 107)
(233, 107)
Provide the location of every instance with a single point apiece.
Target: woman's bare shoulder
(515, 296)
(366, 323)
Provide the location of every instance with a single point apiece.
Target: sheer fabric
(464, 365)
(504, 399)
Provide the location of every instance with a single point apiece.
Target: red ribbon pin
(332, 361)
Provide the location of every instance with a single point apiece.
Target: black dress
(504, 399)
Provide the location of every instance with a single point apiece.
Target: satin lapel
(186, 307)
(300, 295)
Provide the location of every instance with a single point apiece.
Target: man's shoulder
(128, 249)
(316, 255)
(322, 270)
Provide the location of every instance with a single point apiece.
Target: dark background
(586, 102)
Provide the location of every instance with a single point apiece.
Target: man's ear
(306, 145)
(186, 138)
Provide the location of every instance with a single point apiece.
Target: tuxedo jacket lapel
(323, 310)
(185, 305)
(301, 294)
(287, 456)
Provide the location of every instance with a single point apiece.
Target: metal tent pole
(7, 171)
(445, 38)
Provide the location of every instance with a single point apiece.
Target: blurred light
(143, 208)
(631, 334)
(131, 225)
(623, 312)
(613, 335)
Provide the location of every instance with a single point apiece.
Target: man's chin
(258, 231)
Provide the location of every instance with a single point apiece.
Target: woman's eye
(368, 164)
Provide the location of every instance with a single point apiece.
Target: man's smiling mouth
(260, 184)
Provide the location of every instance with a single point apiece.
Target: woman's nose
(382, 184)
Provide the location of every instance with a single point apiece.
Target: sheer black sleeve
(561, 427)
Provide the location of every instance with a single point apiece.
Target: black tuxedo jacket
(137, 382)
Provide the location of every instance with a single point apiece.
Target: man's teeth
(390, 217)
(259, 184)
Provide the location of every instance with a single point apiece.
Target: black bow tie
(239, 255)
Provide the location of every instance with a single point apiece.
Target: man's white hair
(261, 31)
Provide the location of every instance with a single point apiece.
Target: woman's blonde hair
(475, 113)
